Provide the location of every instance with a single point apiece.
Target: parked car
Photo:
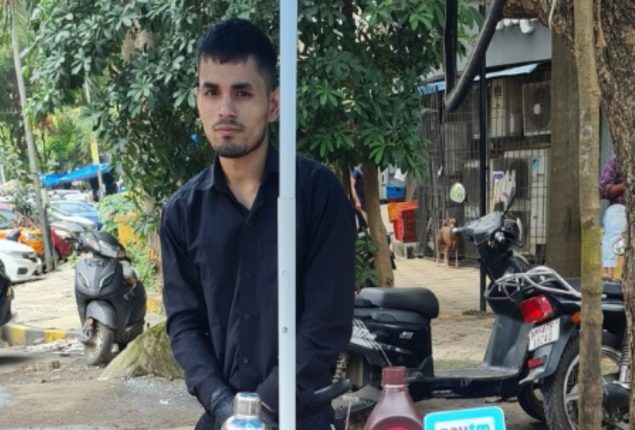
(31, 234)
(19, 262)
(54, 214)
(6, 295)
(78, 208)
(71, 195)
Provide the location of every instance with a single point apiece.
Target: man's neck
(244, 174)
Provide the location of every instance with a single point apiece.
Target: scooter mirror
(457, 193)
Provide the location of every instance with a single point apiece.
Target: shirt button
(247, 275)
(245, 360)
(247, 316)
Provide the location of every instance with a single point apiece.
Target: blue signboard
(489, 418)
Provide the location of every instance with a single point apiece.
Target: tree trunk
(590, 372)
(614, 48)
(383, 265)
(148, 354)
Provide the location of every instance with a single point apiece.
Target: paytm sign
(490, 418)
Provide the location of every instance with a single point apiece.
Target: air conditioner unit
(537, 108)
(505, 108)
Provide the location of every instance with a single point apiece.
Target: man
(612, 188)
(219, 245)
(357, 195)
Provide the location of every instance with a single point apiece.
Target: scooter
(392, 327)
(6, 295)
(110, 297)
(554, 357)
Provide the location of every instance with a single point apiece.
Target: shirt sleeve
(325, 301)
(186, 312)
(608, 177)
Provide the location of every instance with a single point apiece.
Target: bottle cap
(247, 404)
(394, 375)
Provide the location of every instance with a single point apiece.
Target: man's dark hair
(236, 40)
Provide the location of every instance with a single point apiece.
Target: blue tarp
(434, 87)
(79, 174)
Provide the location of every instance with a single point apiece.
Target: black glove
(221, 406)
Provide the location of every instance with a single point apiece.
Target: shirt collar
(213, 176)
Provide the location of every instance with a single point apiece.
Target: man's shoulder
(312, 170)
(188, 191)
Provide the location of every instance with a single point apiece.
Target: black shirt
(220, 281)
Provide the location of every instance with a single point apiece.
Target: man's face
(234, 106)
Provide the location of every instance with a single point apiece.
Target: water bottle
(246, 414)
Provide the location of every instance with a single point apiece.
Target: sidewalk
(45, 310)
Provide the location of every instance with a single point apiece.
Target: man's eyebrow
(206, 84)
(242, 86)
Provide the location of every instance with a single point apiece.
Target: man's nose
(227, 108)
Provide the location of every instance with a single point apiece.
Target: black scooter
(110, 297)
(555, 307)
(392, 328)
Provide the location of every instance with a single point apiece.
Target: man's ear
(274, 105)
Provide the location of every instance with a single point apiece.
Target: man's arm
(187, 322)
(325, 292)
(356, 200)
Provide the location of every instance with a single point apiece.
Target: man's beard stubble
(230, 149)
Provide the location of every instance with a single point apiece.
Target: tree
(613, 24)
(590, 373)
(359, 66)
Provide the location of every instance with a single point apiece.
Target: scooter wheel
(99, 348)
(530, 400)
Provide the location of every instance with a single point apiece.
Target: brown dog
(447, 241)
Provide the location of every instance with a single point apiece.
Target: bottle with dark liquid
(395, 409)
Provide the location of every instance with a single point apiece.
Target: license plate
(544, 334)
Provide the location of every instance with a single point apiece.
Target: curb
(21, 335)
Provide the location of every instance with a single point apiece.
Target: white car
(18, 261)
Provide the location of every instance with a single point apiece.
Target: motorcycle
(392, 327)
(554, 350)
(111, 299)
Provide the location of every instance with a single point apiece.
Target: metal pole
(33, 169)
(286, 216)
(96, 161)
(482, 120)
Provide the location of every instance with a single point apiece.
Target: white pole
(286, 215)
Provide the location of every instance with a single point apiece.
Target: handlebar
(458, 230)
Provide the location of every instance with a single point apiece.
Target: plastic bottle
(246, 414)
(395, 409)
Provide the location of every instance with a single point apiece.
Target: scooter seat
(420, 300)
(612, 289)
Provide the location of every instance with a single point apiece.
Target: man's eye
(211, 92)
(243, 94)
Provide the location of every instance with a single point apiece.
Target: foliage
(122, 205)
(365, 274)
(63, 141)
(359, 67)
(111, 206)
